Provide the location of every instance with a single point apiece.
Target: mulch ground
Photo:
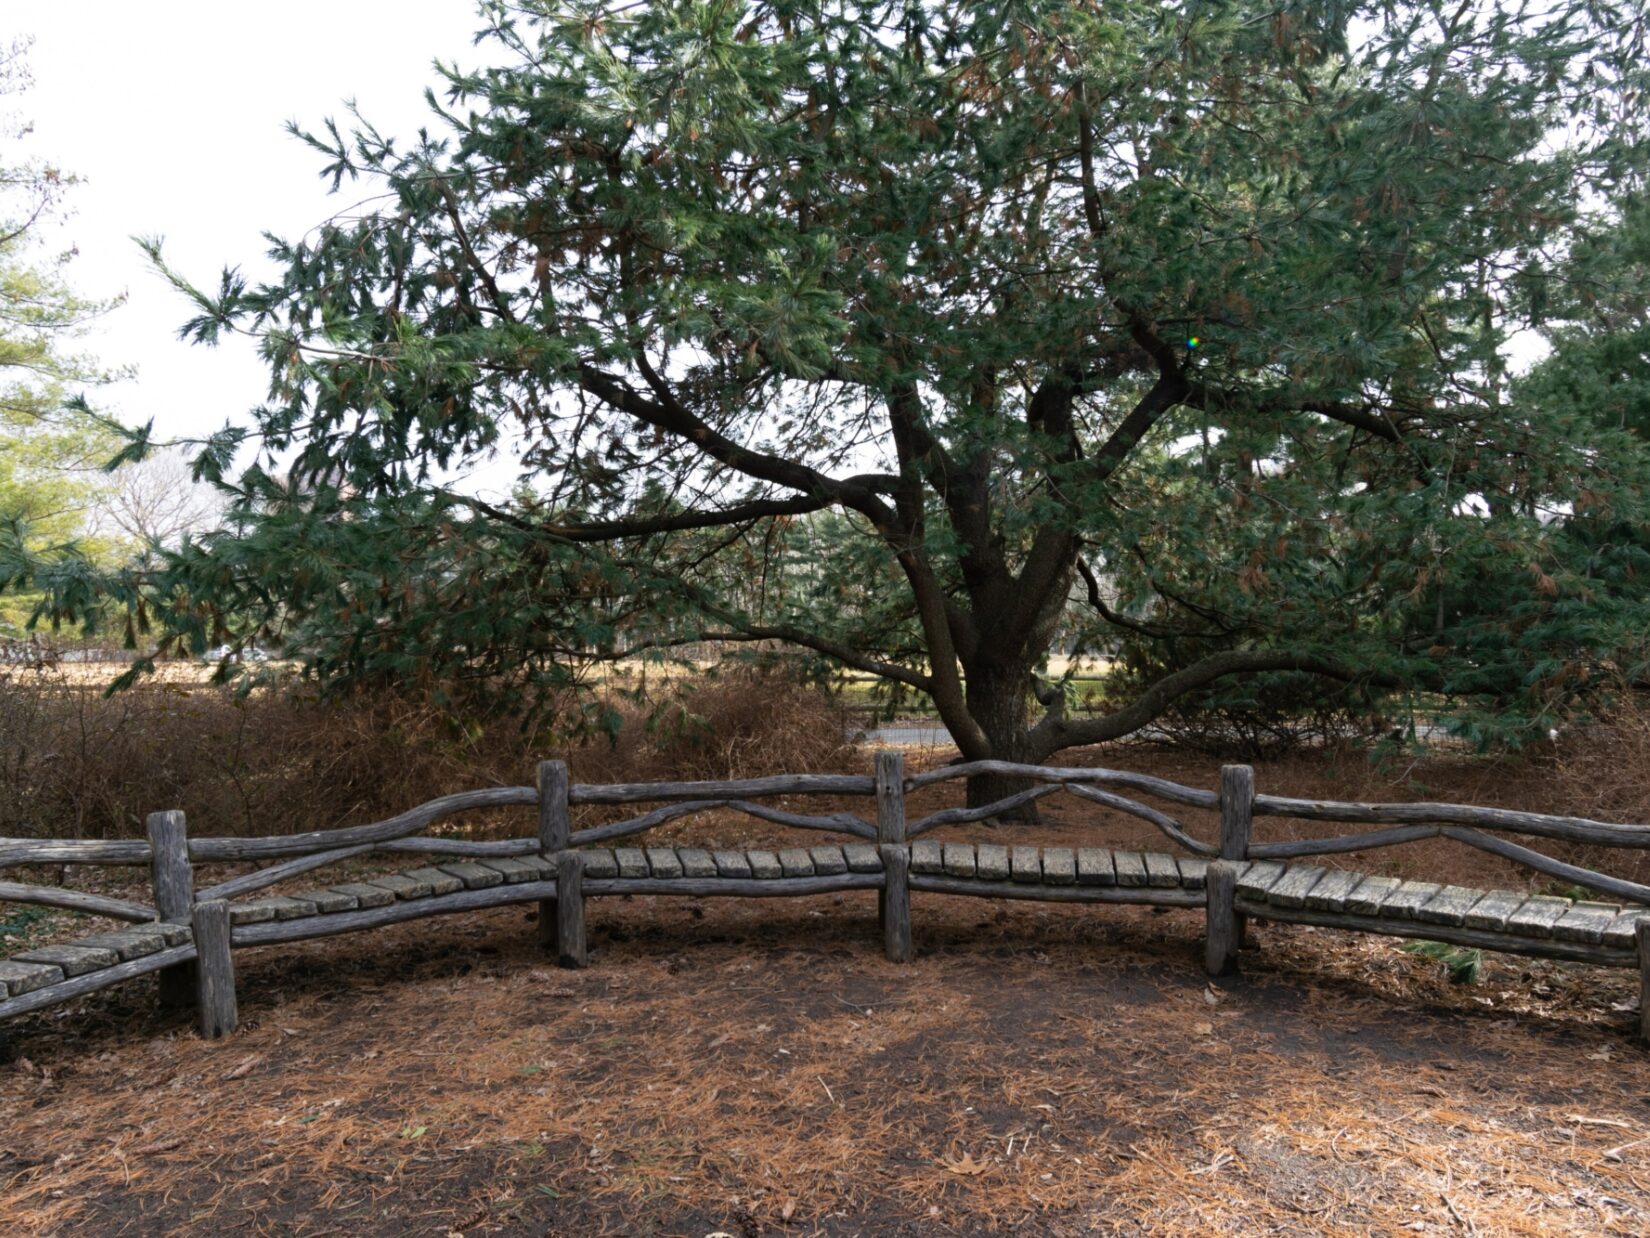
(748, 1067)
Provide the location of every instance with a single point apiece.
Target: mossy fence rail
(188, 934)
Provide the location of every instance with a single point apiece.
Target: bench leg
(896, 903)
(572, 947)
(215, 967)
(1225, 926)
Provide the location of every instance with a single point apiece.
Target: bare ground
(756, 1067)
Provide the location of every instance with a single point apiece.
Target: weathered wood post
(555, 833)
(572, 948)
(173, 882)
(894, 900)
(215, 967)
(1220, 951)
(896, 904)
(1237, 817)
(1641, 933)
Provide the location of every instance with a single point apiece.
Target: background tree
(51, 478)
(157, 501)
(1191, 312)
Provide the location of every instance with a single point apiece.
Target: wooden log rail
(188, 935)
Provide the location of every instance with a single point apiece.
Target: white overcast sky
(172, 112)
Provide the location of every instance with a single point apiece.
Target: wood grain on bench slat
(1059, 866)
(957, 859)
(1449, 906)
(862, 858)
(991, 862)
(729, 864)
(1491, 911)
(1162, 870)
(1095, 867)
(1332, 890)
(1130, 866)
(696, 862)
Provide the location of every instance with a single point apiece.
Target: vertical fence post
(572, 949)
(555, 833)
(1237, 818)
(215, 967)
(894, 899)
(174, 887)
(890, 798)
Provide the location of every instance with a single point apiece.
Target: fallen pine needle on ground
(759, 1068)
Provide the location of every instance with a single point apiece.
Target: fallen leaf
(967, 1165)
(720, 1041)
(1203, 1029)
(243, 1067)
(787, 1210)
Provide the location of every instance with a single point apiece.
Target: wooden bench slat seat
(1529, 923)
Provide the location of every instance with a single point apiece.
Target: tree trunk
(999, 699)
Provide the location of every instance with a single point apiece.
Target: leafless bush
(76, 764)
(1603, 771)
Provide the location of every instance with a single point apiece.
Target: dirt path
(758, 1068)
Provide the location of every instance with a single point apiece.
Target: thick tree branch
(1054, 733)
(666, 412)
(597, 531)
(845, 654)
(1369, 418)
(642, 526)
(1097, 603)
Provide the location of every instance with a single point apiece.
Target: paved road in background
(934, 735)
(908, 735)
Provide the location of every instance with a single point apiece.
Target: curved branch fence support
(174, 885)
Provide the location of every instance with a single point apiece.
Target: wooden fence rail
(188, 935)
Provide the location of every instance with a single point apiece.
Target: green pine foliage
(920, 337)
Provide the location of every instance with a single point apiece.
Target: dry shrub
(76, 764)
(734, 724)
(1602, 771)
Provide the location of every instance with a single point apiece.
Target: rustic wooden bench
(189, 937)
(1535, 924)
